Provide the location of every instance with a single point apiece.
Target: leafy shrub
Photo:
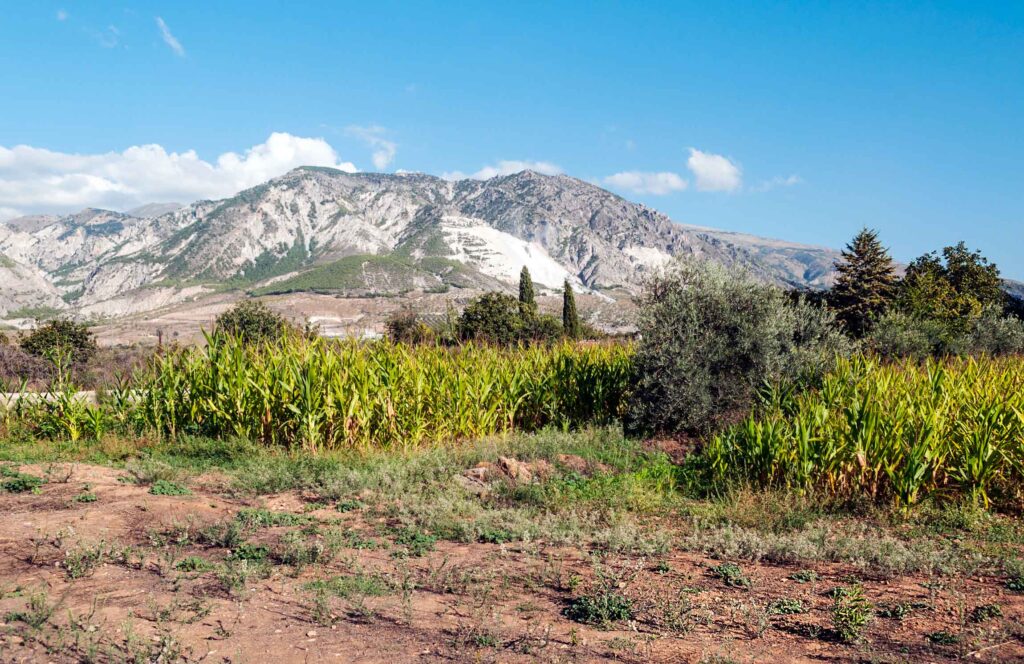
(252, 321)
(995, 334)
(710, 338)
(543, 328)
(898, 334)
(492, 317)
(61, 337)
(405, 327)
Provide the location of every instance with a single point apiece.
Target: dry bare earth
(134, 597)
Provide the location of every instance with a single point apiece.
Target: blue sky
(803, 121)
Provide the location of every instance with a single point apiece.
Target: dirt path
(96, 569)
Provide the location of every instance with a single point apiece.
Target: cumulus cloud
(779, 182)
(169, 38)
(640, 182)
(35, 180)
(713, 172)
(374, 136)
(505, 167)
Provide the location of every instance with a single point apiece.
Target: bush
(16, 365)
(710, 338)
(493, 317)
(61, 337)
(994, 334)
(898, 334)
(901, 335)
(542, 328)
(252, 321)
(405, 327)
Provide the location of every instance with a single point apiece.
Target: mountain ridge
(423, 231)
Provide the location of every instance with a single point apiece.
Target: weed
(986, 612)
(414, 543)
(496, 536)
(262, 518)
(86, 497)
(250, 552)
(349, 505)
(83, 561)
(168, 488)
(296, 551)
(600, 608)
(895, 611)
(371, 585)
(349, 539)
(193, 564)
(235, 573)
(851, 612)
(785, 606)
(943, 638)
(804, 576)
(36, 614)
(227, 535)
(731, 574)
(16, 482)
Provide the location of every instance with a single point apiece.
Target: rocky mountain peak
(328, 230)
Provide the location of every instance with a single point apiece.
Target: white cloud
(640, 182)
(506, 167)
(383, 149)
(779, 181)
(169, 38)
(36, 180)
(713, 172)
(62, 15)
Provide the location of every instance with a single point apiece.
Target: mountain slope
(327, 230)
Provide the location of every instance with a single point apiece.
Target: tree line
(948, 302)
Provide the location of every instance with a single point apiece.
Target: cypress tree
(570, 319)
(866, 285)
(527, 300)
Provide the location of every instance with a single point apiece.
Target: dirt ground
(93, 568)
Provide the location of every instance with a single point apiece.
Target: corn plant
(321, 394)
(896, 432)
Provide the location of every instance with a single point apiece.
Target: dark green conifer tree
(866, 284)
(527, 299)
(570, 319)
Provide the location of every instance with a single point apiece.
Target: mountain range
(324, 230)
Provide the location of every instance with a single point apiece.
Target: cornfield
(896, 432)
(320, 394)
